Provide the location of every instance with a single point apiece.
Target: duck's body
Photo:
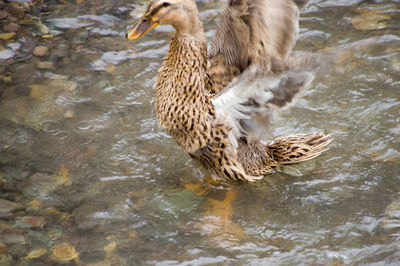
(216, 105)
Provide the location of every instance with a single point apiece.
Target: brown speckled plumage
(217, 105)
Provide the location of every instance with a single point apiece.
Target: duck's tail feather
(298, 148)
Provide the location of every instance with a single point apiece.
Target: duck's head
(178, 13)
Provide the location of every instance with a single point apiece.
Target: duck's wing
(247, 104)
(252, 31)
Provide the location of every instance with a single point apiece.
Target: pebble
(84, 216)
(37, 92)
(38, 184)
(10, 235)
(45, 65)
(6, 54)
(60, 53)
(15, 12)
(393, 209)
(42, 27)
(15, 46)
(8, 207)
(36, 253)
(20, 76)
(69, 114)
(63, 84)
(35, 204)
(392, 213)
(6, 36)
(3, 248)
(395, 63)
(40, 50)
(65, 253)
(3, 14)
(12, 19)
(30, 222)
(11, 27)
(28, 45)
(13, 238)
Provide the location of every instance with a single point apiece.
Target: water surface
(100, 183)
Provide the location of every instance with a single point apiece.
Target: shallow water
(100, 183)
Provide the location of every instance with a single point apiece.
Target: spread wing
(252, 31)
(249, 101)
(250, 66)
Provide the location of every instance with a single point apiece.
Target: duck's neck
(183, 71)
(181, 81)
(194, 28)
(189, 23)
(185, 66)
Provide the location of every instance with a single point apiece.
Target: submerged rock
(11, 235)
(42, 27)
(35, 253)
(6, 54)
(45, 65)
(392, 212)
(65, 253)
(31, 222)
(40, 50)
(3, 14)
(64, 84)
(7, 36)
(3, 248)
(28, 45)
(39, 184)
(371, 19)
(59, 53)
(69, 114)
(11, 27)
(8, 207)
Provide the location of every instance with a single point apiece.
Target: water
(101, 183)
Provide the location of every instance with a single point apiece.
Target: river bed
(88, 178)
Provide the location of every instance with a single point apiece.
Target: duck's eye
(165, 4)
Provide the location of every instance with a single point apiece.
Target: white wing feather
(247, 104)
(231, 104)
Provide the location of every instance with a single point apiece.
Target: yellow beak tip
(138, 31)
(132, 35)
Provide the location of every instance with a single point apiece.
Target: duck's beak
(140, 28)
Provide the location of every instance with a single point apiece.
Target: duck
(217, 100)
